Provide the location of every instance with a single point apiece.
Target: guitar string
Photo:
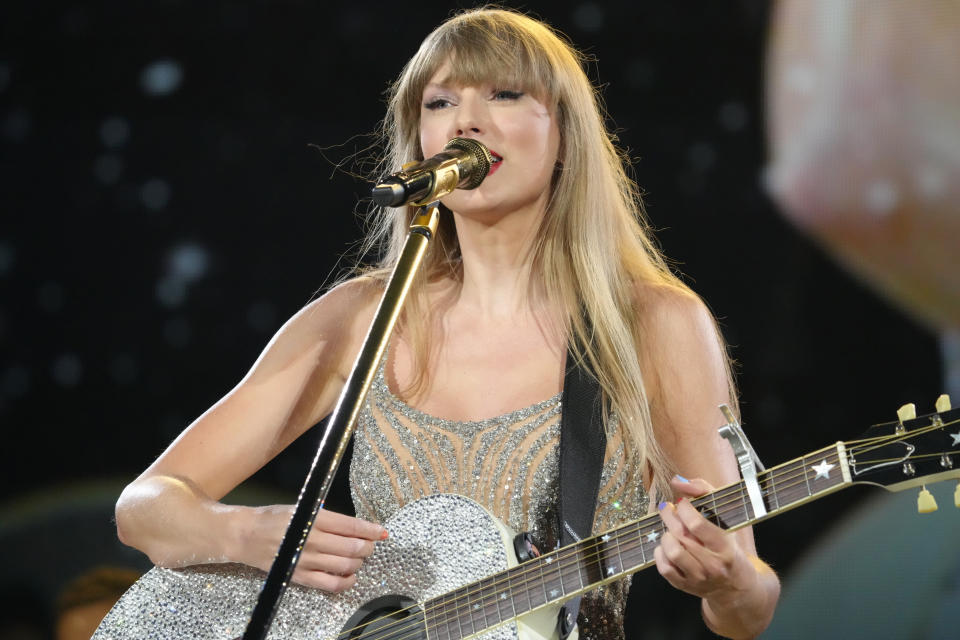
(629, 531)
(894, 437)
(768, 480)
(632, 531)
(626, 531)
(874, 461)
(878, 441)
(883, 441)
(639, 527)
(631, 546)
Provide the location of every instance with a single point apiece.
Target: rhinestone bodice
(508, 464)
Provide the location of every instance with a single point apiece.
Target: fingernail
(661, 505)
(680, 500)
(384, 535)
(681, 478)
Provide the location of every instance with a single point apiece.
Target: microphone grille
(477, 167)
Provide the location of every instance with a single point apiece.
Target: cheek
(541, 137)
(432, 139)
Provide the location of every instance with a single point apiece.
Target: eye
(507, 94)
(436, 103)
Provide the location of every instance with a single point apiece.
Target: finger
(667, 569)
(686, 563)
(707, 533)
(324, 581)
(336, 565)
(691, 488)
(685, 551)
(676, 571)
(338, 523)
(338, 545)
(704, 564)
(670, 520)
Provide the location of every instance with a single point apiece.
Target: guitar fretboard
(566, 572)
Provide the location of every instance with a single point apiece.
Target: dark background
(166, 205)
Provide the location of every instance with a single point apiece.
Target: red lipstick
(497, 161)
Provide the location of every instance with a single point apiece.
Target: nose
(472, 116)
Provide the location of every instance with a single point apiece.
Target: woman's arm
(689, 380)
(171, 512)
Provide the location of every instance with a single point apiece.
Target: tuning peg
(925, 501)
(907, 412)
(943, 403)
(956, 496)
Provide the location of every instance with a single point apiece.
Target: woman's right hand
(335, 548)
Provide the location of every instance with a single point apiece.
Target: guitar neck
(587, 564)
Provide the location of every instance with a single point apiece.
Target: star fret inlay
(956, 438)
(823, 470)
(652, 536)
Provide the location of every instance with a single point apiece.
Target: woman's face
(519, 129)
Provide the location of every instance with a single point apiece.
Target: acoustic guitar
(449, 570)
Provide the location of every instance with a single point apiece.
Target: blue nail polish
(661, 506)
(681, 478)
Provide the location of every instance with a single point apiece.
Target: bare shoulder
(685, 362)
(348, 297)
(342, 308)
(673, 317)
(333, 323)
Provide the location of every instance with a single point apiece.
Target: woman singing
(550, 250)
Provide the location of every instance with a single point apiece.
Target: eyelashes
(498, 94)
(436, 103)
(506, 94)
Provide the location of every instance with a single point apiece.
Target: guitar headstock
(911, 451)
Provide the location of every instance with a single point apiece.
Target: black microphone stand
(342, 420)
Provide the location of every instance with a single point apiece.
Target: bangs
(506, 60)
(500, 48)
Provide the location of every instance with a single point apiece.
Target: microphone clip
(463, 164)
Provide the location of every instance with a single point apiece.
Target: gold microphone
(463, 164)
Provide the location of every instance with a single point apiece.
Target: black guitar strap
(583, 442)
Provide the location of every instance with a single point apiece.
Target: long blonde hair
(594, 246)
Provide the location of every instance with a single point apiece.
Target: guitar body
(436, 545)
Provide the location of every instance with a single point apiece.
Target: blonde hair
(594, 245)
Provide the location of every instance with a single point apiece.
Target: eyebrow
(446, 85)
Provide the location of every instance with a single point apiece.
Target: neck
(497, 263)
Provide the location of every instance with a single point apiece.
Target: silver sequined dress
(509, 464)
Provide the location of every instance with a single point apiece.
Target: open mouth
(497, 160)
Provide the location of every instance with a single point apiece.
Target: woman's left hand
(696, 555)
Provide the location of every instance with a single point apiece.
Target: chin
(472, 202)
